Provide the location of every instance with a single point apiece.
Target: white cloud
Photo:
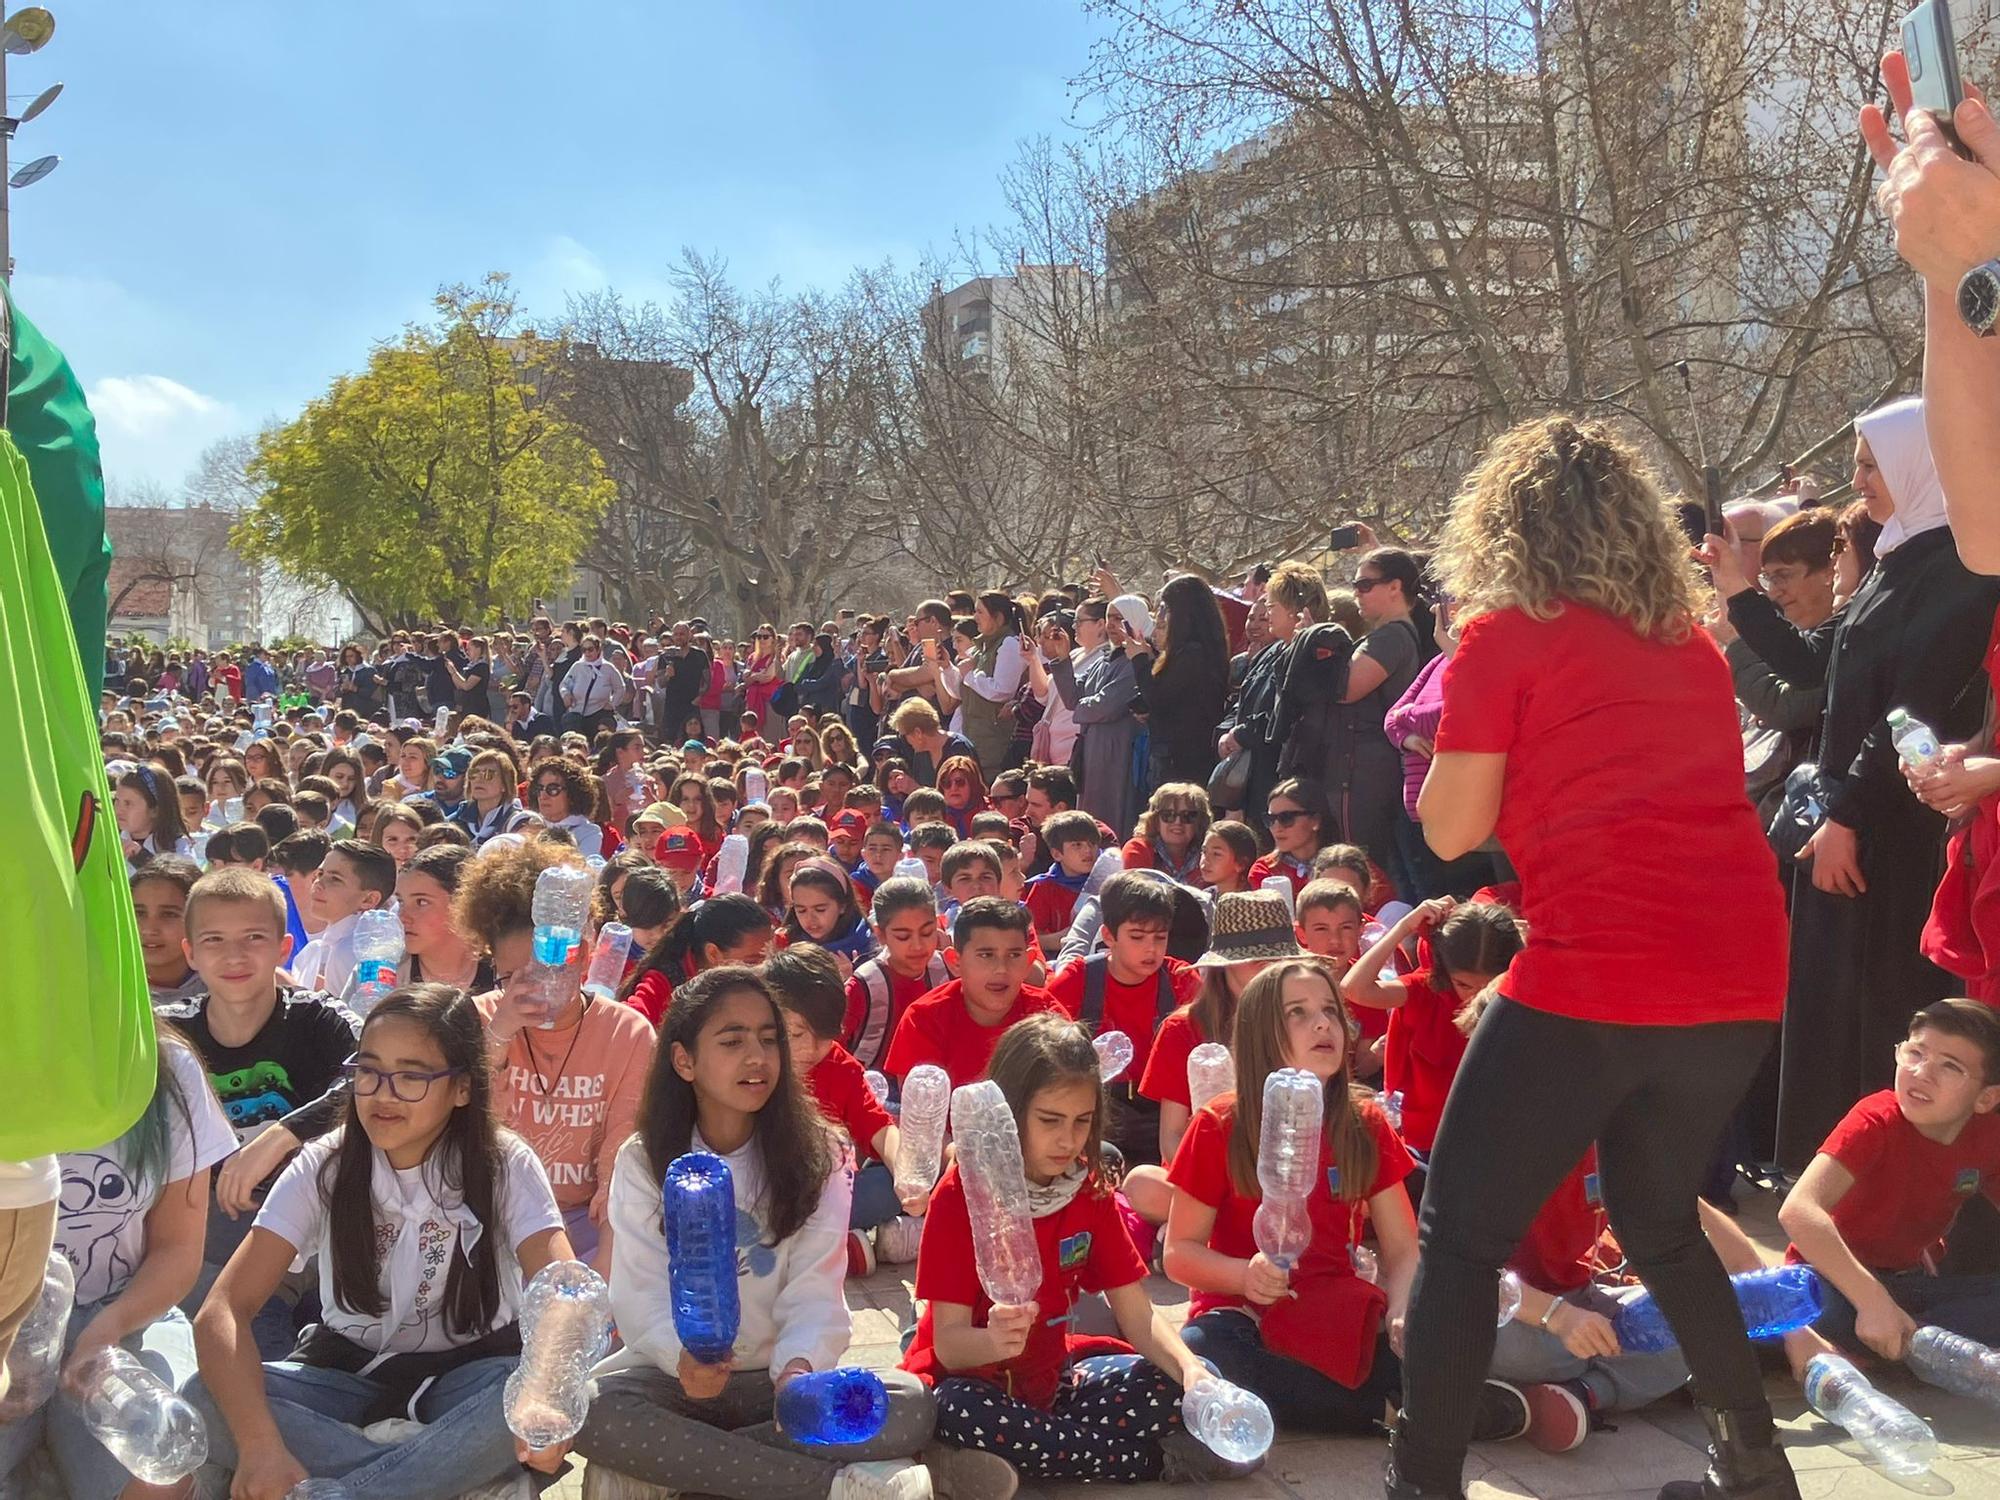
(152, 427)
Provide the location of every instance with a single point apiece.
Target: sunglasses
(1179, 815)
(1363, 585)
(1287, 817)
(550, 789)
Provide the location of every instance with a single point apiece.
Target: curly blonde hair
(1566, 510)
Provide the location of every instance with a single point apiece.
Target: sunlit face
(1219, 865)
(225, 781)
(817, 911)
(236, 946)
(957, 792)
(1804, 594)
(194, 808)
(484, 785)
(1294, 830)
(1176, 822)
(735, 1064)
(551, 795)
(1315, 1025)
(987, 620)
(341, 774)
(425, 908)
(1137, 947)
(1055, 1127)
(1284, 619)
(402, 1129)
(908, 939)
(972, 879)
(992, 966)
(807, 1050)
(399, 841)
(1870, 486)
(134, 814)
(881, 851)
(1941, 1079)
(751, 949)
(160, 908)
(783, 802)
(412, 762)
(1331, 932)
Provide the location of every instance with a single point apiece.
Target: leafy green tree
(438, 483)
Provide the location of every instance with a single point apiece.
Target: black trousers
(1534, 1091)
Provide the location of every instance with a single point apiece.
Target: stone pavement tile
(1637, 1454)
(1258, 1486)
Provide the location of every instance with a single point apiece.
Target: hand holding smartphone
(1930, 49)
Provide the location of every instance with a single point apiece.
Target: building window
(579, 604)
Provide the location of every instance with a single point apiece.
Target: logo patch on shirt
(1967, 1183)
(1074, 1251)
(1593, 1190)
(1333, 1181)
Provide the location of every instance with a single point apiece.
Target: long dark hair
(1003, 604)
(790, 1132)
(465, 1160)
(1480, 937)
(827, 876)
(1194, 624)
(721, 920)
(1404, 567)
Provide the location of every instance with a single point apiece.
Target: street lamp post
(24, 32)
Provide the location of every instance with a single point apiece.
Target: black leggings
(1533, 1092)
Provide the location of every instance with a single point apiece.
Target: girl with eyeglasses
(1298, 817)
(426, 1219)
(1171, 831)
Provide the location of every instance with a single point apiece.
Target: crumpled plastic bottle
(565, 1330)
(1775, 1300)
(319, 1489)
(1114, 1054)
(561, 907)
(1211, 1071)
(996, 1193)
(732, 863)
(878, 1085)
(35, 1361)
(926, 1099)
(607, 961)
(833, 1406)
(1955, 1363)
(155, 1434)
(699, 1203)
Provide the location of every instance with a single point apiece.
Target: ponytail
(720, 920)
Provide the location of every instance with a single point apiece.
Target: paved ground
(1663, 1443)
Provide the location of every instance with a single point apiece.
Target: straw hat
(1250, 927)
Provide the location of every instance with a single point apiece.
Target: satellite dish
(27, 31)
(41, 102)
(34, 171)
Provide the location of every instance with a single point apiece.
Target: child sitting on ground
(907, 967)
(957, 1025)
(1072, 841)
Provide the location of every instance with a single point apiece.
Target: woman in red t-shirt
(1013, 1380)
(1589, 722)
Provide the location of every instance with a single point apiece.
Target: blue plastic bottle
(1775, 1300)
(699, 1206)
(833, 1406)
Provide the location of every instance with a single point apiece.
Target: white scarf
(1895, 435)
(1052, 1197)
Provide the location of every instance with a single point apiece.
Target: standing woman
(1186, 683)
(469, 687)
(1589, 722)
(1107, 687)
(762, 677)
(1365, 779)
(343, 768)
(1294, 599)
(990, 676)
(1911, 638)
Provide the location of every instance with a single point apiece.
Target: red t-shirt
(1422, 1054)
(1051, 903)
(840, 1087)
(1907, 1187)
(1131, 1008)
(903, 991)
(1201, 1169)
(1085, 1248)
(1165, 1075)
(1275, 863)
(650, 996)
(1623, 809)
(939, 1029)
(1560, 1252)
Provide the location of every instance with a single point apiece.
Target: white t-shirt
(419, 1227)
(327, 961)
(101, 1226)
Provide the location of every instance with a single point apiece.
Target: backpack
(871, 1042)
(78, 1060)
(1097, 973)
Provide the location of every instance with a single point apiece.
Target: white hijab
(1902, 450)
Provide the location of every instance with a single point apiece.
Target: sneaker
(891, 1479)
(1503, 1414)
(1191, 1461)
(1558, 1416)
(969, 1473)
(860, 1253)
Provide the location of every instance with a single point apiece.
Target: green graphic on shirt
(257, 1078)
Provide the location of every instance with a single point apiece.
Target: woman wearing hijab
(1911, 638)
(1107, 687)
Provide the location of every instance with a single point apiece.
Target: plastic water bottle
(1510, 1297)
(756, 785)
(926, 1099)
(1914, 740)
(35, 1361)
(319, 1489)
(732, 863)
(877, 1085)
(1366, 1264)
(378, 956)
(549, 988)
(1775, 1300)
(1392, 1109)
(909, 867)
(1282, 1229)
(1955, 1363)
(996, 1193)
(232, 811)
(561, 907)
(699, 1198)
(1288, 1143)
(565, 1331)
(443, 719)
(198, 846)
(1114, 1054)
(157, 1436)
(833, 1406)
(1229, 1421)
(1279, 885)
(1893, 1435)
(1211, 1071)
(607, 962)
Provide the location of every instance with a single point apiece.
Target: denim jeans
(465, 1442)
(875, 1200)
(86, 1467)
(1301, 1398)
(1968, 1305)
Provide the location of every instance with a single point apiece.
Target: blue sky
(253, 191)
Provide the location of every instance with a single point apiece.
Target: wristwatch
(1979, 299)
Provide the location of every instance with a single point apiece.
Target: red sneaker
(860, 1253)
(1558, 1418)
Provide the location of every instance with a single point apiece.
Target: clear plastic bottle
(319, 1489)
(1114, 1054)
(607, 961)
(1211, 1071)
(996, 1193)
(1280, 885)
(1914, 740)
(909, 867)
(561, 907)
(550, 988)
(157, 1436)
(1392, 1109)
(378, 956)
(1955, 1363)
(565, 1331)
(732, 863)
(1775, 1300)
(35, 1361)
(756, 785)
(1367, 1265)
(1288, 1142)
(1510, 1297)
(833, 1406)
(1109, 863)
(232, 811)
(1893, 1435)
(926, 1101)
(1229, 1421)
(878, 1085)
(443, 719)
(1282, 1229)
(699, 1198)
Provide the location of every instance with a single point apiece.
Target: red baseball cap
(677, 847)
(850, 822)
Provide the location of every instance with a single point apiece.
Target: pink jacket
(1417, 712)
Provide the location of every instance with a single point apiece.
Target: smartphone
(1931, 50)
(1344, 537)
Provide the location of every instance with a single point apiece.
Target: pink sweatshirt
(1417, 712)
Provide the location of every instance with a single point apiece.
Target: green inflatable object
(77, 1047)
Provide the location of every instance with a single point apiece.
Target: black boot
(1744, 1460)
